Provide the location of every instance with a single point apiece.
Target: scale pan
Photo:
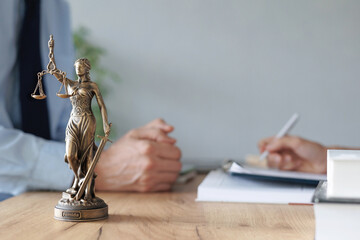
(39, 97)
(63, 95)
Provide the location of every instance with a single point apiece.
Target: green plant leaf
(99, 74)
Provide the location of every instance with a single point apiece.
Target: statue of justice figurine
(79, 202)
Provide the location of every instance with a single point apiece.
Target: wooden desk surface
(173, 215)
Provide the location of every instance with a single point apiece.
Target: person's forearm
(29, 162)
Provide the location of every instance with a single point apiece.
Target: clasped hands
(145, 159)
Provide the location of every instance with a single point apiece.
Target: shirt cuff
(51, 172)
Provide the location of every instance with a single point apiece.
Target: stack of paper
(219, 186)
(336, 217)
(337, 221)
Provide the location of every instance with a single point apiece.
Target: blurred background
(228, 73)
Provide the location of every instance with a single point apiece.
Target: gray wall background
(227, 73)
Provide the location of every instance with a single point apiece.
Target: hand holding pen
(293, 153)
(283, 131)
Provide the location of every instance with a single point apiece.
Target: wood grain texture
(172, 215)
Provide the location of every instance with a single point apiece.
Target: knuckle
(178, 166)
(149, 164)
(297, 142)
(145, 180)
(261, 142)
(272, 161)
(131, 133)
(146, 147)
(288, 158)
(157, 132)
(159, 120)
(177, 153)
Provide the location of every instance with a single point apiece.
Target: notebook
(219, 186)
(264, 173)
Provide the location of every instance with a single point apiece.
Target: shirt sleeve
(28, 162)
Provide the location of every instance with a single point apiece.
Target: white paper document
(219, 186)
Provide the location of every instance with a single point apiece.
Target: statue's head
(82, 67)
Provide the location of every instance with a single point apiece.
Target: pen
(283, 131)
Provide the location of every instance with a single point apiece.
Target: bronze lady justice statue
(79, 202)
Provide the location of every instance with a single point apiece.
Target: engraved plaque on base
(69, 209)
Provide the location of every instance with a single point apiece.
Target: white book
(337, 221)
(219, 186)
(336, 218)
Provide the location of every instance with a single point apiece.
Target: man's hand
(144, 160)
(295, 154)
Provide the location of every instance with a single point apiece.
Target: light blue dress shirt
(28, 162)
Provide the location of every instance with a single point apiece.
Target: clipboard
(269, 174)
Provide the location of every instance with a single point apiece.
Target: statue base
(69, 209)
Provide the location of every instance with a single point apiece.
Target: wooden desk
(173, 215)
